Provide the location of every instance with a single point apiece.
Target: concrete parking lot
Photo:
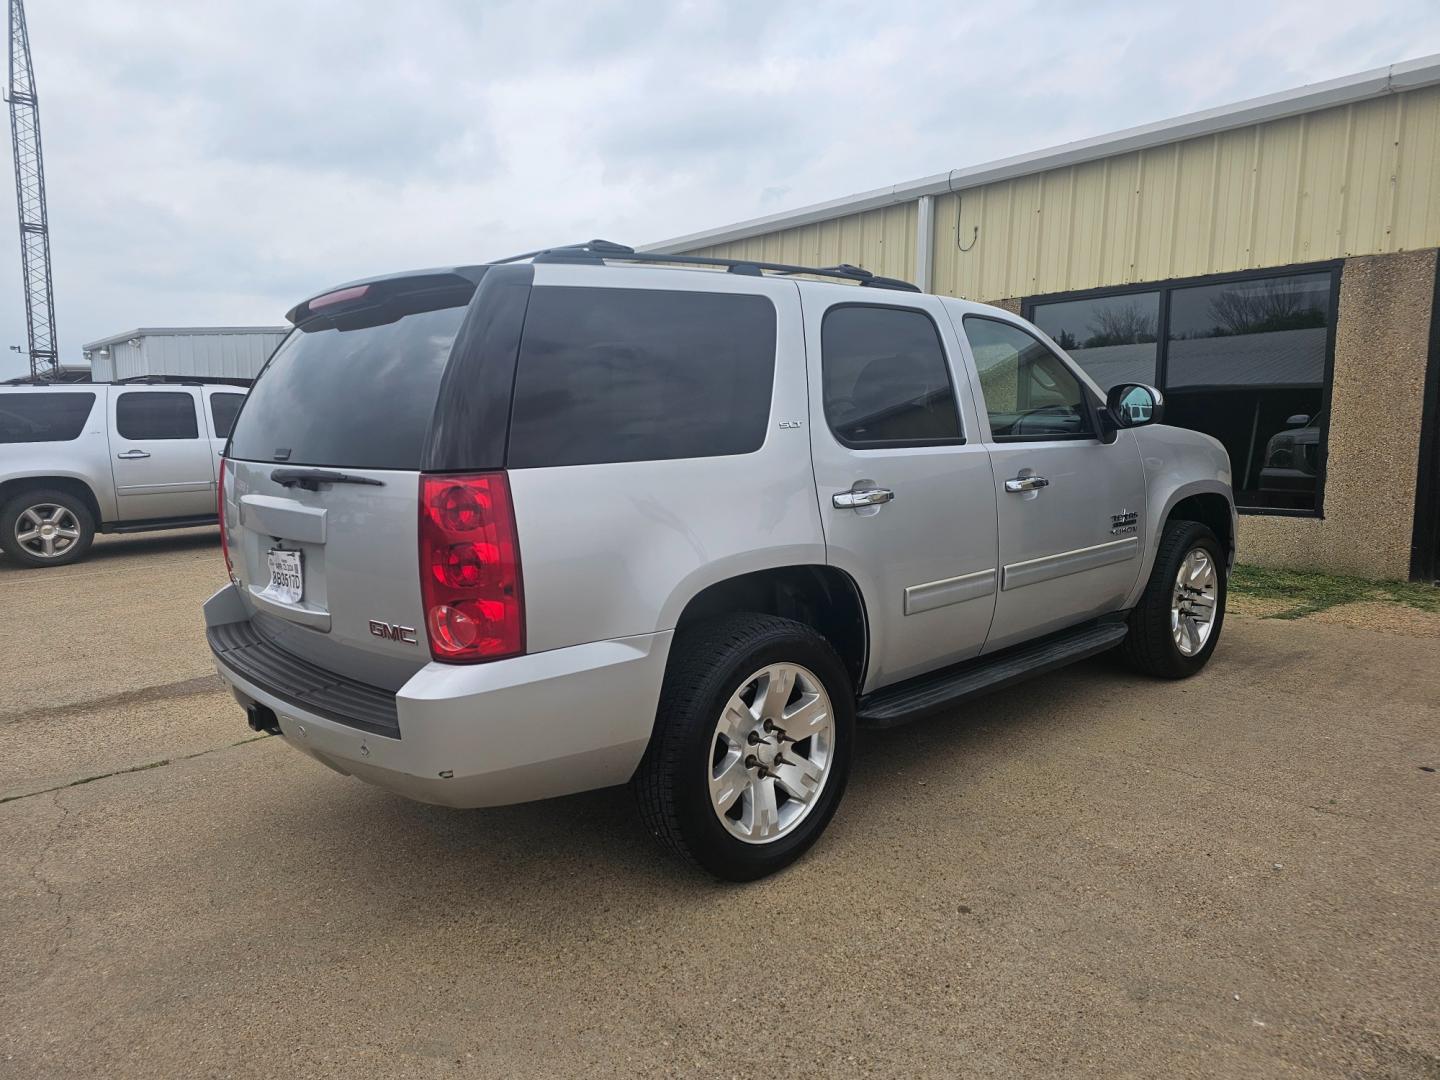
(1091, 875)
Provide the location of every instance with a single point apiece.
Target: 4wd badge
(1124, 522)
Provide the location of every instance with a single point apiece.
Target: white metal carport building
(231, 353)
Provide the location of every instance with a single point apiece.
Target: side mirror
(1135, 405)
(1300, 419)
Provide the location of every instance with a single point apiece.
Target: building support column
(1377, 391)
(924, 242)
(1425, 546)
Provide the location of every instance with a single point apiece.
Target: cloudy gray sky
(213, 162)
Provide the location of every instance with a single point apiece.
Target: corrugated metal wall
(1360, 179)
(203, 355)
(231, 356)
(882, 241)
(123, 356)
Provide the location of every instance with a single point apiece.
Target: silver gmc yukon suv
(82, 458)
(589, 517)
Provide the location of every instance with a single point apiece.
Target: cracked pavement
(1090, 875)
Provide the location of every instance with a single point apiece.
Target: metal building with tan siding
(1270, 265)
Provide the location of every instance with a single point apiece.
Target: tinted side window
(641, 375)
(43, 417)
(223, 409)
(884, 378)
(156, 414)
(1029, 392)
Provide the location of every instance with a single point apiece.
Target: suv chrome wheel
(46, 530)
(771, 753)
(1193, 601)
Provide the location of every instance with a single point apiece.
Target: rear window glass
(43, 417)
(641, 375)
(361, 397)
(223, 408)
(156, 414)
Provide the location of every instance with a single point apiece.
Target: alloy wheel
(771, 753)
(47, 530)
(1193, 601)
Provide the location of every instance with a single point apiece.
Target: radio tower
(30, 197)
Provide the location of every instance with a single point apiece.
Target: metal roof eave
(1393, 78)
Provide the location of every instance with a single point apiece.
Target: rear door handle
(132, 455)
(1026, 483)
(854, 499)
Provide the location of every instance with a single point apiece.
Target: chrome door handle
(1026, 483)
(132, 455)
(853, 500)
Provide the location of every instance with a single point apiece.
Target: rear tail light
(470, 568)
(220, 513)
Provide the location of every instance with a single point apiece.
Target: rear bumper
(532, 727)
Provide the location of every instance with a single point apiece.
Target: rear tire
(1170, 636)
(752, 745)
(46, 528)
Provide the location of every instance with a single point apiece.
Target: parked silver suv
(503, 532)
(77, 458)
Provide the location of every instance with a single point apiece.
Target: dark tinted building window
(1242, 358)
(1245, 362)
(1255, 332)
(223, 408)
(1114, 338)
(885, 379)
(43, 417)
(1029, 392)
(640, 375)
(361, 396)
(156, 414)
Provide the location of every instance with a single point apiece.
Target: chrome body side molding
(1064, 563)
(953, 590)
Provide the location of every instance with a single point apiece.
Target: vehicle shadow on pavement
(128, 545)
(564, 858)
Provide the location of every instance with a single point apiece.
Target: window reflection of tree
(1115, 324)
(1267, 308)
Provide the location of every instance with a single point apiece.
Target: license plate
(287, 580)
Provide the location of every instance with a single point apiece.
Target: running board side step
(157, 524)
(940, 690)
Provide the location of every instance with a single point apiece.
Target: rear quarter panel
(614, 550)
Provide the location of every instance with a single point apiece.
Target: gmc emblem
(393, 632)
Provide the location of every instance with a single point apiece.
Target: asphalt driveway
(1091, 875)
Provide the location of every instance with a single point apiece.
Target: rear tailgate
(359, 612)
(323, 476)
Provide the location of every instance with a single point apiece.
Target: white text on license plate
(287, 581)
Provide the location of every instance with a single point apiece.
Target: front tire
(1176, 625)
(752, 744)
(46, 528)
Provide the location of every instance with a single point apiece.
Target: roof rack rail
(600, 251)
(162, 380)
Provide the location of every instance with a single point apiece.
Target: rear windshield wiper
(311, 479)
